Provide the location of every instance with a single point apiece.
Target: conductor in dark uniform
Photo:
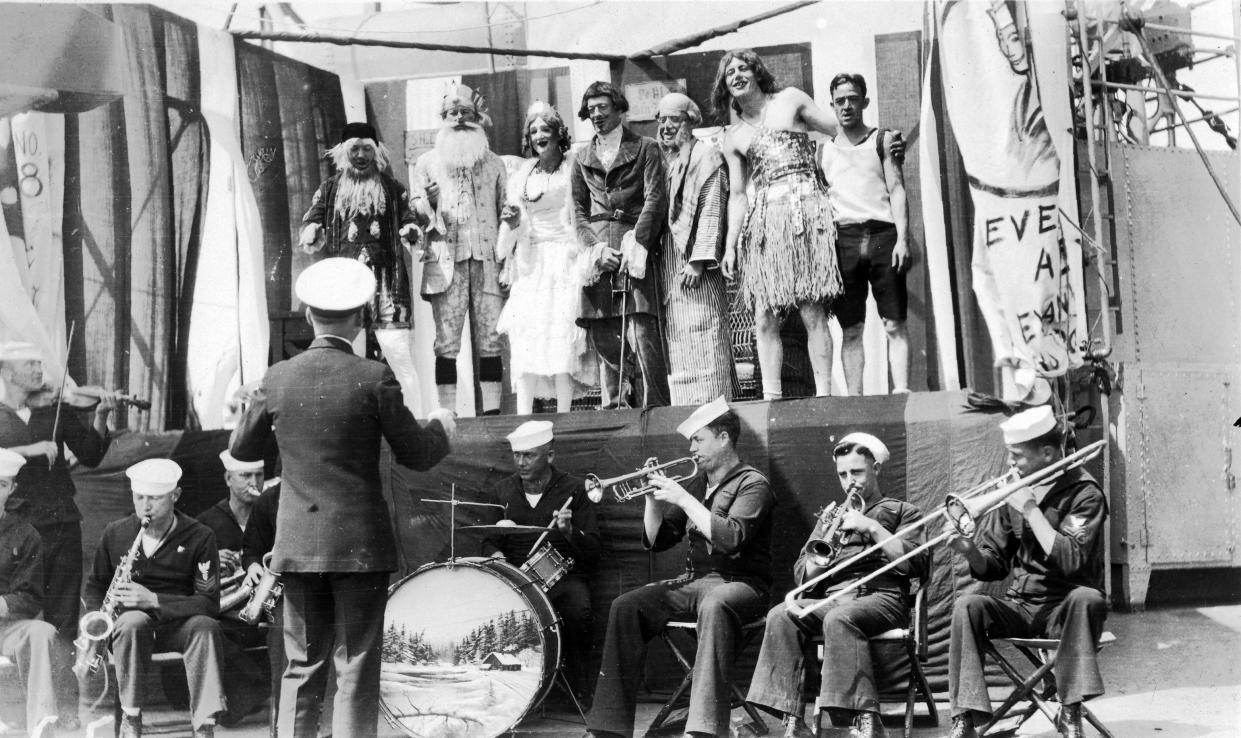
(329, 411)
(1050, 538)
(536, 495)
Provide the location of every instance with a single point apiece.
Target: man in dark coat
(620, 200)
(1050, 537)
(361, 212)
(330, 411)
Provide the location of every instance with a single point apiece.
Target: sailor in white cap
(544, 495)
(26, 426)
(866, 517)
(1055, 557)
(330, 411)
(228, 517)
(24, 638)
(465, 182)
(725, 511)
(168, 602)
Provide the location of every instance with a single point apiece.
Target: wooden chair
(1039, 688)
(914, 639)
(689, 645)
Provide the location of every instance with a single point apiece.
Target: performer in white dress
(550, 356)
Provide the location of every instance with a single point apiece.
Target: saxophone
(96, 625)
(266, 594)
(825, 547)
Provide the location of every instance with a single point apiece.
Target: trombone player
(1050, 537)
(865, 520)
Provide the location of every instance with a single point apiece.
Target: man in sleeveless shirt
(867, 193)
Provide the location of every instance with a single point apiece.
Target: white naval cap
(153, 477)
(1028, 424)
(703, 416)
(232, 464)
(530, 434)
(10, 463)
(335, 285)
(877, 448)
(19, 351)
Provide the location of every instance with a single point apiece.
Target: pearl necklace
(547, 182)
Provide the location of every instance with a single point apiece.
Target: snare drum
(547, 566)
(469, 648)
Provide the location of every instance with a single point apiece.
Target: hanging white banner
(1026, 283)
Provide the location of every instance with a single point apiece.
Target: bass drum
(469, 648)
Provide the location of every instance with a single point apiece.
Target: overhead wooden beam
(687, 42)
(313, 37)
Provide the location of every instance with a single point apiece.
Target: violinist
(41, 431)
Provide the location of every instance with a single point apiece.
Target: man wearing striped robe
(700, 362)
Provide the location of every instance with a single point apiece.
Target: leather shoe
(204, 731)
(795, 728)
(963, 727)
(1071, 721)
(131, 725)
(867, 725)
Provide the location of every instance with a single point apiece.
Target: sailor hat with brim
(232, 464)
(19, 351)
(703, 416)
(335, 286)
(11, 462)
(531, 434)
(1028, 425)
(877, 448)
(154, 477)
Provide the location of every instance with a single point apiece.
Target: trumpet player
(725, 511)
(1050, 538)
(859, 612)
(23, 637)
(168, 602)
(246, 683)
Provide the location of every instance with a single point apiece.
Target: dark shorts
(864, 251)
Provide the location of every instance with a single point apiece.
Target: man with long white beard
(464, 182)
(700, 361)
(360, 213)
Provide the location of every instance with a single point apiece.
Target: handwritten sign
(644, 97)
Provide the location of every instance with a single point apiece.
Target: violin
(83, 398)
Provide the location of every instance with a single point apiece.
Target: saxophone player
(848, 686)
(169, 600)
(24, 638)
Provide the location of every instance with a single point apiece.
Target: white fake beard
(359, 194)
(461, 148)
(678, 145)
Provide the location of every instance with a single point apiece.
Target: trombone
(623, 488)
(962, 512)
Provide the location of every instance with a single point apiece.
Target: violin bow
(60, 393)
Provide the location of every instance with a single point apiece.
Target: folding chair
(749, 632)
(915, 642)
(1039, 688)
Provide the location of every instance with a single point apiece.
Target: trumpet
(96, 625)
(625, 487)
(827, 546)
(265, 595)
(962, 512)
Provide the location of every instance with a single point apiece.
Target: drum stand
(453, 502)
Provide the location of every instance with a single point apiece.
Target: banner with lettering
(1026, 254)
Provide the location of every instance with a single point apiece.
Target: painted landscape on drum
(462, 654)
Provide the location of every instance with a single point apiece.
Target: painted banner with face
(1026, 258)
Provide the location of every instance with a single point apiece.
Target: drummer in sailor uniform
(536, 495)
(330, 412)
